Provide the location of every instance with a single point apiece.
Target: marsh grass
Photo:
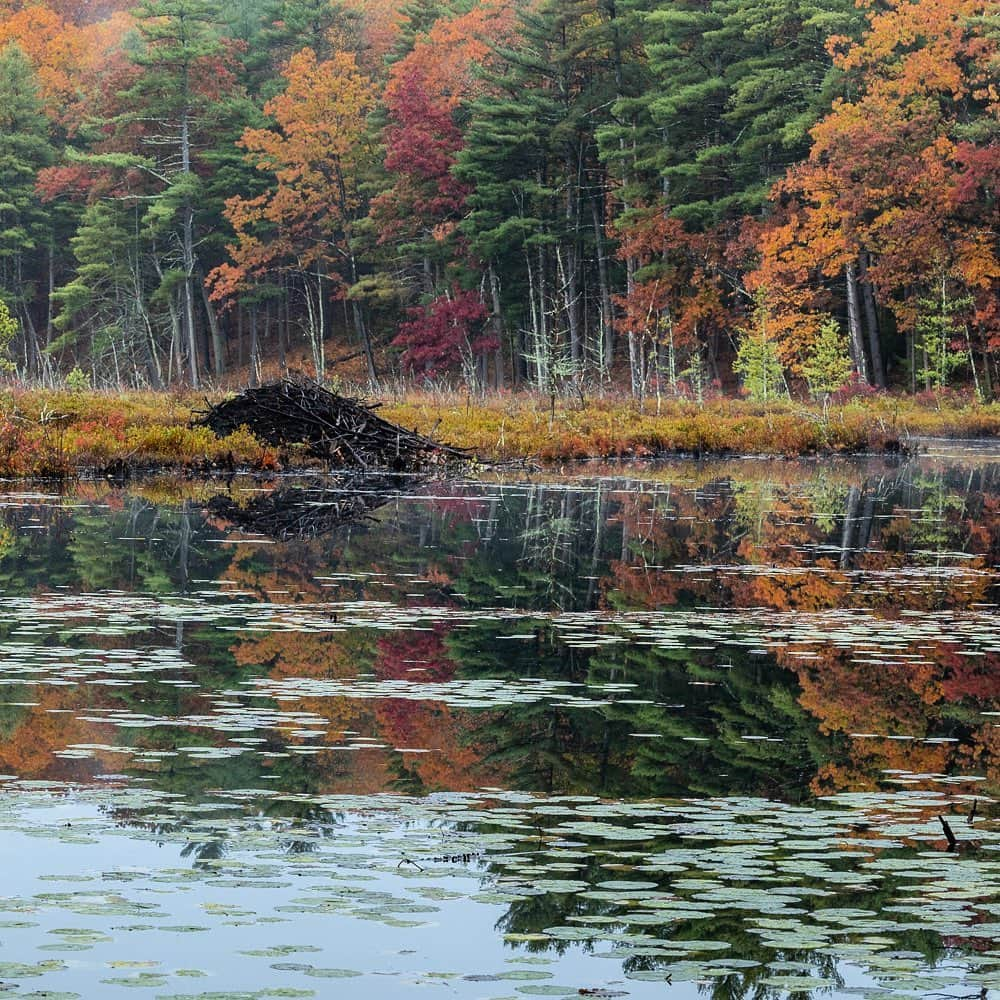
(63, 433)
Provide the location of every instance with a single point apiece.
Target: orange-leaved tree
(895, 210)
(314, 154)
(675, 303)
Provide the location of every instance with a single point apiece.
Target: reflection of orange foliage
(957, 590)
(983, 753)
(872, 702)
(324, 656)
(775, 563)
(700, 532)
(783, 540)
(51, 726)
(638, 588)
(281, 575)
(813, 590)
(304, 654)
(457, 761)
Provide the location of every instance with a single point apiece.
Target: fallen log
(343, 431)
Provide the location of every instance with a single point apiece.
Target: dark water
(686, 731)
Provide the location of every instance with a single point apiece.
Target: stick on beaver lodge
(343, 431)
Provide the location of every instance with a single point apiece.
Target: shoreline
(61, 434)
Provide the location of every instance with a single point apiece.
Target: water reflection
(760, 641)
(489, 679)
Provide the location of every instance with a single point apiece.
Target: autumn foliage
(535, 195)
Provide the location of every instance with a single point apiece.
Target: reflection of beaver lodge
(309, 511)
(342, 431)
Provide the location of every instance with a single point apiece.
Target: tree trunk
(634, 354)
(32, 350)
(254, 348)
(607, 346)
(320, 347)
(496, 320)
(49, 326)
(283, 324)
(571, 279)
(175, 368)
(360, 326)
(544, 347)
(988, 392)
(190, 332)
(848, 533)
(239, 337)
(187, 240)
(149, 349)
(856, 340)
(534, 358)
(571, 297)
(871, 322)
(218, 338)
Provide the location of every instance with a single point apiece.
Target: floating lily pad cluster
(787, 898)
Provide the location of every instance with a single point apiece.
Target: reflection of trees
(34, 550)
(790, 536)
(301, 828)
(704, 746)
(539, 547)
(924, 719)
(143, 547)
(543, 747)
(549, 546)
(460, 757)
(697, 713)
(533, 914)
(456, 757)
(810, 544)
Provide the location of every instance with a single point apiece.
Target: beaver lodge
(345, 432)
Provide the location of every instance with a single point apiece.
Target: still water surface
(683, 731)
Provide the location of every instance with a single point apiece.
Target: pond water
(724, 729)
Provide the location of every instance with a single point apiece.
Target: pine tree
(8, 331)
(736, 88)
(757, 359)
(292, 25)
(531, 159)
(828, 366)
(108, 300)
(419, 16)
(170, 98)
(24, 149)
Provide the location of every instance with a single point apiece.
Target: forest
(687, 197)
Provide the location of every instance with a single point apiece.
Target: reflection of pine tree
(590, 750)
(39, 557)
(13, 702)
(543, 747)
(747, 697)
(143, 547)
